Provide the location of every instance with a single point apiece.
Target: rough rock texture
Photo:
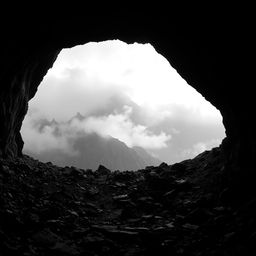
(181, 209)
(212, 51)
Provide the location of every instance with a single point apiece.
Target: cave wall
(211, 52)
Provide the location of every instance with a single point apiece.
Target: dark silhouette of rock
(50, 210)
(102, 170)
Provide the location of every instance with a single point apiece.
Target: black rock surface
(179, 209)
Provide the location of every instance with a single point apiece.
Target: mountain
(147, 158)
(91, 150)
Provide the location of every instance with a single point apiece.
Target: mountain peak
(97, 153)
(79, 116)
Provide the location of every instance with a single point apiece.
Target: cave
(211, 52)
(205, 52)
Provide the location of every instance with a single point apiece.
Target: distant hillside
(94, 150)
(147, 158)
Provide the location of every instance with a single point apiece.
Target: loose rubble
(165, 210)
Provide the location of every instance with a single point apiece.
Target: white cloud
(39, 141)
(59, 136)
(86, 77)
(120, 126)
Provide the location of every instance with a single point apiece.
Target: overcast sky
(127, 91)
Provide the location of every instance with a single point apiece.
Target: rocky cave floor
(179, 209)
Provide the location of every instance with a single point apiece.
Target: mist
(42, 135)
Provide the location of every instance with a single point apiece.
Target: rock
(50, 188)
(61, 248)
(179, 167)
(160, 230)
(102, 170)
(169, 225)
(252, 240)
(89, 172)
(119, 184)
(182, 184)
(137, 229)
(157, 183)
(120, 197)
(129, 212)
(48, 212)
(76, 172)
(73, 213)
(105, 227)
(164, 165)
(190, 226)
(145, 199)
(11, 221)
(147, 216)
(25, 167)
(170, 195)
(123, 234)
(205, 200)
(5, 170)
(46, 238)
(93, 240)
(230, 237)
(198, 216)
(219, 209)
(92, 191)
(31, 220)
(67, 170)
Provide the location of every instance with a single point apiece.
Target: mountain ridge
(89, 150)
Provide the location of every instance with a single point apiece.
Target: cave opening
(117, 104)
(203, 206)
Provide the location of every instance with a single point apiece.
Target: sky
(127, 91)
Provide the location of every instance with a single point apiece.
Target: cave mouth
(46, 209)
(116, 96)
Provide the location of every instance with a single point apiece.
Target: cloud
(41, 135)
(120, 126)
(86, 79)
(62, 97)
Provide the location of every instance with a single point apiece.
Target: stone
(179, 167)
(45, 211)
(120, 197)
(67, 170)
(137, 229)
(102, 170)
(5, 170)
(230, 237)
(169, 225)
(46, 238)
(123, 233)
(65, 249)
(157, 183)
(164, 165)
(182, 184)
(170, 194)
(190, 226)
(198, 216)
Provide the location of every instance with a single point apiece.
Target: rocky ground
(181, 209)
